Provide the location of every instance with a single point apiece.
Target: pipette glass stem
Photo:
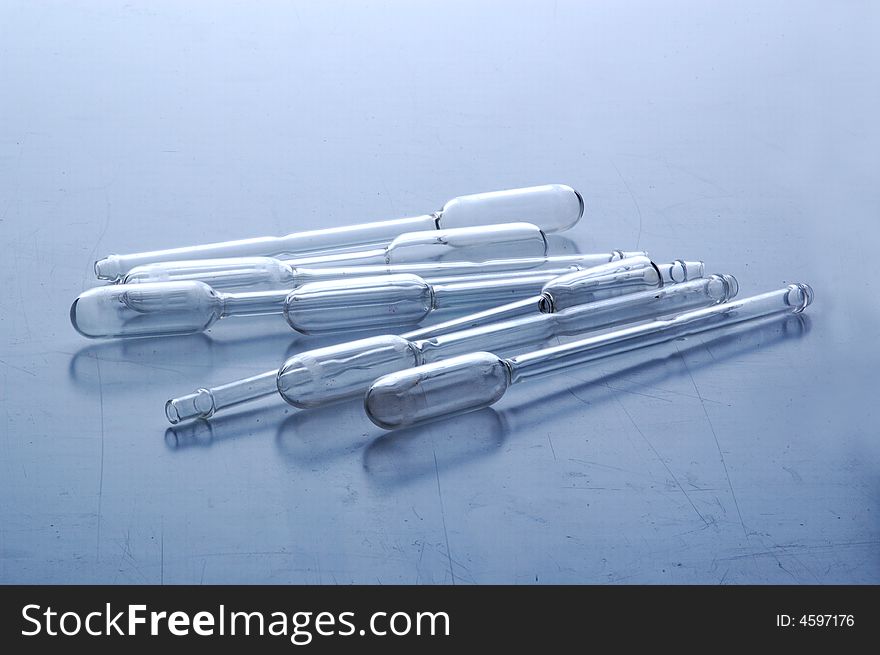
(205, 402)
(256, 303)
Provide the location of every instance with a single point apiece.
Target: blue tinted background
(742, 133)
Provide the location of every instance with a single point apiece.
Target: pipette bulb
(450, 386)
(553, 207)
(157, 309)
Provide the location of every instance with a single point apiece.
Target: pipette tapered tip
(171, 413)
(732, 285)
(195, 405)
(800, 296)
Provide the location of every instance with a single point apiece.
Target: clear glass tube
(604, 281)
(512, 240)
(187, 307)
(204, 402)
(516, 335)
(554, 207)
(470, 382)
(325, 375)
(654, 365)
(174, 308)
(568, 290)
(265, 273)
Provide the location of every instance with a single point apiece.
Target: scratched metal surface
(745, 135)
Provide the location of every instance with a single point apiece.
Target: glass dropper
(473, 381)
(323, 375)
(463, 244)
(554, 207)
(265, 273)
(449, 244)
(623, 276)
(174, 308)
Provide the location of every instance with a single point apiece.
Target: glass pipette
(554, 207)
(450, 244)
(324, 375)
(470, 244)
(473, 381)
(625, 276)
(187, 307)
(266, 273)
(175, 308)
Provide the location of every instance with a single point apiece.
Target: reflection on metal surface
(166, 358)
(313, 436)
(204, 434)
(402, 455)
(738, 341)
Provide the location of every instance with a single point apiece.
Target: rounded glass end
(800, 296)
(732, 285)
(144, 310)
(553, 207)
(437, 390)
(722, 287)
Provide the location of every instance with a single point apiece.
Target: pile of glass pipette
(470, 299)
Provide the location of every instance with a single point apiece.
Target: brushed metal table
(745, 135)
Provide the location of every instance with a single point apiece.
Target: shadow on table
(404, 455)
(202, 433)
(398, 457)
(203, 359)
(311, 437)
